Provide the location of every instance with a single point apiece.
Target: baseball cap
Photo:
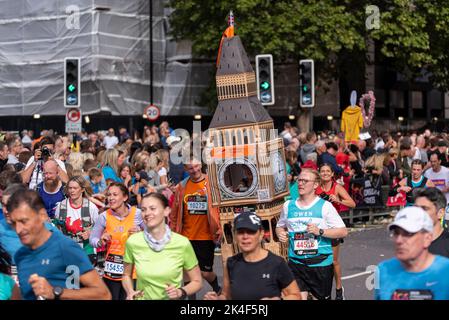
(412, 219)
(247, 220)
(442, 143)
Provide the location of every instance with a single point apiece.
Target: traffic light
(306, 83)
(72, 82)
(264, 76)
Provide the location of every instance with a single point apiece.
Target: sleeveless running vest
(306, 248)
(113, 265)
(319, 191)
(412, 184)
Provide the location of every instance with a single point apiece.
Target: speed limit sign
(152, 112)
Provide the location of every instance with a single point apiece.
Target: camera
(45, 153)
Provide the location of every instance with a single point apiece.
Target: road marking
(356, 275)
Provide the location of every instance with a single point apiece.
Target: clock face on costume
(237, 178)
(279, 172)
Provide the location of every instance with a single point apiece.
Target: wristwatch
(183, 294)
(321, 232)
(57, 291)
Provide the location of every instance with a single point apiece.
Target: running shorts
(205, 253)
(316, 280)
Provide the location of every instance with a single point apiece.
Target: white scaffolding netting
(112, 40)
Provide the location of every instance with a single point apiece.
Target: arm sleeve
(189, 257)
(97, 230)
(282, 223)
(162, 172)
(377, 284)
(331, 217)
(30, 162)
(138, 220)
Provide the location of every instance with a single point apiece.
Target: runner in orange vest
(112, 229)
(194, 217)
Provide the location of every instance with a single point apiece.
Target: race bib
(412, 295)
(197, 204)
(113, 266)
(305, 243)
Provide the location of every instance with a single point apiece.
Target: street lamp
(330, 118)
(401, 119)
(87, 119)
(291, 117)
(37, 116)
(197, 117)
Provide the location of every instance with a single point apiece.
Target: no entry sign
(152, 112)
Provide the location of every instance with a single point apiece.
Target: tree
(412, 34)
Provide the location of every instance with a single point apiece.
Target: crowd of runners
(100, 216)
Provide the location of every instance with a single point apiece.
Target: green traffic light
(265, 85)
(305, 88)
(71, 87)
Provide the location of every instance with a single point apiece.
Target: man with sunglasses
(308, 224)
(415, 273)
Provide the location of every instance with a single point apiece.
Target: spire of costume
(246, 167)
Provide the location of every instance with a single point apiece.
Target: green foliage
(412, 35)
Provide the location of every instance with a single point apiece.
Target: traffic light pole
(305, 119)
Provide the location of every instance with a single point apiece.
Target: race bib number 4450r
(305, 244)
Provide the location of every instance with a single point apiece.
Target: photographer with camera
(32, 174)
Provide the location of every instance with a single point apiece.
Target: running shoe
(340, 294)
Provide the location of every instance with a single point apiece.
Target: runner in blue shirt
(415, 273)
(308, 224)
(50, 265)
(9, 239)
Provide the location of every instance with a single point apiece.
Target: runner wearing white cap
(415, 273)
